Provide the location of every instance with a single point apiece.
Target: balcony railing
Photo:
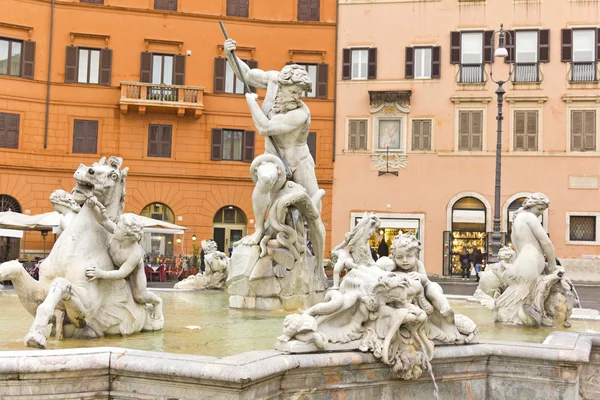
(471, 73)
(527, 72)
(583, 71)
(151, 96)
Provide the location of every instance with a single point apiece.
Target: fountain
(214, 276)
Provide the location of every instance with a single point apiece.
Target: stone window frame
(471, 103)
(347, 150)
(570, 214)
(581, 105)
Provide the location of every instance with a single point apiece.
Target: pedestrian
(373, 254)
(465, 263)
(383, 249)
(478, 263)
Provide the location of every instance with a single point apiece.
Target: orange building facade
(145, 80)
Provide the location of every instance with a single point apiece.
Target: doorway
(229, 226)
(10, 246)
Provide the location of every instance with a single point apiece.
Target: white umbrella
(17, 221)
(157, 226)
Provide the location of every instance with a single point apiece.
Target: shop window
(421, 135)
(309, 10)
(470, 130)
(232, 145)
(422, 62)
(583, 228)
(237, 8)
(167, 5)
(359, 63)
(86, 65)
(9, 130)
(583, 130)
(85, 136)
(226, 81)
(159, 140)
(526, 130)
(357, 134)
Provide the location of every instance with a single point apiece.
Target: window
(421, 135)
(9, 130)
(527, 49)
(470, 130)
(84, 65)
(422, 62)
(582, 228)
(389, 134)
(162, 69)
(583, 130)
(168, 5)
(166, 69)
(232, 145)
(311, 142)
(471, 50)
(159, 140)
(17, 57)
(579, 47)
(357, 135)
(309, 10)
(318, 76)
(526, 130)
(85, 136)
(225, 79)
(359, 63)
(237, 8)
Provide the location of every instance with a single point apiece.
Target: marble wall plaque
(583, 182)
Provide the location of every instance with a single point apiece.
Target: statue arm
(134, 260)
(279, 124)
(255, 77)
(547, 246)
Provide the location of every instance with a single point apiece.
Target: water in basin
(202, 323)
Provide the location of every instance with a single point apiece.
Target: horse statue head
(105, 180)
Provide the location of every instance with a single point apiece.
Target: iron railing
(583, 71)
(471, 73)
(527, 72)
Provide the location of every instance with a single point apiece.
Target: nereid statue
(522, 288)
(215, 274)
(82, 289)
(395, 312)
(275, 267)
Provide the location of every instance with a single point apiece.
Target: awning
(11, 233)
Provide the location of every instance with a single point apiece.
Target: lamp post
(500, 52)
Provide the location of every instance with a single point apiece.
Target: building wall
(189, 182)
(433, 180)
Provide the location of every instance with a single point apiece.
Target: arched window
(158, 245)
(229, 226)
(8, 203)
(10, 247)
(468, 230)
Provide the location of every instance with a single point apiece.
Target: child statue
(405, 254)
(64, 204)
(126, 252)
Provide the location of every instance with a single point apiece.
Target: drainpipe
(49, 71)
(337, 14)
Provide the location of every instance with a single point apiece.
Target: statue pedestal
(263, 283)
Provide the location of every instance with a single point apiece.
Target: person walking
(478, 263)
(465, 263)
(383, 250)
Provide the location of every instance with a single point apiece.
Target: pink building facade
(414, 97)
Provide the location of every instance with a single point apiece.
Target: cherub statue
(491, 281)
(126, 253)
(64, 204)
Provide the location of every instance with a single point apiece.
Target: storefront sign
(583, 182)
(469, 216)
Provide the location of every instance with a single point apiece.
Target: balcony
(148, 96)
(527, 72)
(584, 72)
(471, 73)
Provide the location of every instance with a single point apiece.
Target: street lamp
(500, 52)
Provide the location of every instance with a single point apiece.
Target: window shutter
(11, 131)
(409, 62)
(71, 64)
(311, 142)
(315, 10)
(165, 140)
(303, 10)
(477, 130)
(179, 70)
(589, 130)
(78, 136)
(322, 80)
(3, 131)
(598, 44)
(153, 140)
(544, 46)
(362, 135)
(217, 144)
(91, 137)
(372, 68)
(576, 130)
(454, 47)
(248, 154)
(532, 131)
(566, 53)
(105, 67)
(219, 85)
(171, 5)
(231, 7)
(159, 4)
(426, 135)
(27, 69)
(353, 136)
(519, 130)
(346, 63)
(251, 64)
(146, 67)
(237, 8)
(488, 47)
(464, 130)
(436, 57)
(416, 135)
(510, 43)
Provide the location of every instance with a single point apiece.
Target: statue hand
(94, 272)
(229, 46)
(251, 98)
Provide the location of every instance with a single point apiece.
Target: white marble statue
(65, 294)
(215, 273)
(524, 288)
(274, 267)
(397, 315)
(64, 204)
(491, 281)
